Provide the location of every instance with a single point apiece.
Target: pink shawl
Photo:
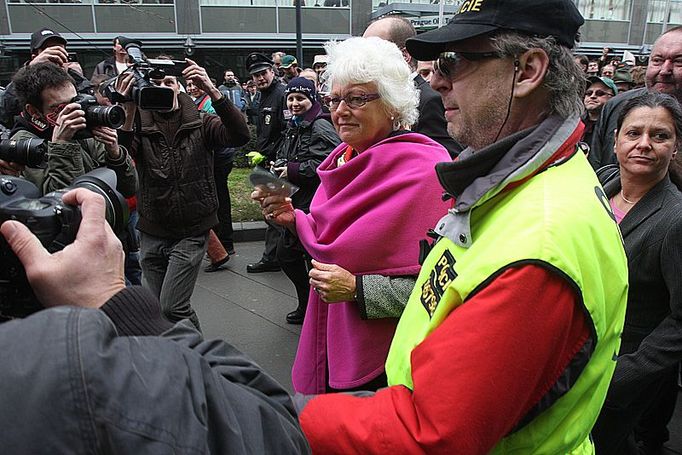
(367, 216)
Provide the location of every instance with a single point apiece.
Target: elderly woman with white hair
(378, 197)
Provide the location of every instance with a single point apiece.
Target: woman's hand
(275, 207)
(332, 283)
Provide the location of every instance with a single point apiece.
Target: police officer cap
(557, 18)
(256, 62)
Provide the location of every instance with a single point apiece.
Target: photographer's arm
(229, 128)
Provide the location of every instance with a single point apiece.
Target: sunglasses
(597, 93)
(447, 62)
(352, 100)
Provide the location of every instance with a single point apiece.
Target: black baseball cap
(558, 18)
(256, 62)
(39, 37)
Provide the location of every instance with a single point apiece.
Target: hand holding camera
(63, 278)
(69, 121)
(55, 54)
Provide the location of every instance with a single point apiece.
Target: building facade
(223, 32)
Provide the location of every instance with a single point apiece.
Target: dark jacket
(652, 336)
(177, 196)
(107, 67)
(304, 146)
(66, 161)
(271, 120)
(252, 107)
(124, 380)
(431, 120)
(603, 139)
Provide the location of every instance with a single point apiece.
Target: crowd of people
(482, 228)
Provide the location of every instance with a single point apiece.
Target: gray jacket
(78, 381)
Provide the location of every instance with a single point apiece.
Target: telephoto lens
(96, 115)
(111, 116)
(29, 152)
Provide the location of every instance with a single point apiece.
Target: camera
(29, 152)
(96, 115)
(53, 222)
(145, 94)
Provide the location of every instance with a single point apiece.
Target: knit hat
(303, 86)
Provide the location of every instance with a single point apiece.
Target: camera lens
(30, 152)
(110, 116)
(103, 182)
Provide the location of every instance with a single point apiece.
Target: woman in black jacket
(643, 191)
(307, 141)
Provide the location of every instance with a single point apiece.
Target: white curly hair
(364, 60)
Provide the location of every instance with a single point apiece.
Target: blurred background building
(220, 33)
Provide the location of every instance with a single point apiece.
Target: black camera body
(54, 223)
(145, 94)
(96, 115)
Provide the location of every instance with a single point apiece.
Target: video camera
(53, 222)
(145, 94)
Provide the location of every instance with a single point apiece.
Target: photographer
(177, 200)
(104, 372)
(47, 92)
(47, 46)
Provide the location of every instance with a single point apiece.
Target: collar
(478, 176)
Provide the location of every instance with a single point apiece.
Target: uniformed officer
(272, 120)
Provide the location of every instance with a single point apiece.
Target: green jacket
(66, 161)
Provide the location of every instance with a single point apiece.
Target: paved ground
(248, 310)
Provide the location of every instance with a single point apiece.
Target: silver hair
(365, 60)
(564, 80)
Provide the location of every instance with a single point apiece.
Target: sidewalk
(248, 310)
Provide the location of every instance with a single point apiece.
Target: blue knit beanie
(302, 85)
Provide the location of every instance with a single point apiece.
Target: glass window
(304, 3)
(614, 10)
(668, 11)
(379, 3)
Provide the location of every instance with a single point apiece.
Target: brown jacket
(174, 156)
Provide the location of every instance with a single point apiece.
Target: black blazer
(431, 120)
(652, 338)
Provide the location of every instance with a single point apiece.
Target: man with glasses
(431, 121)
(507, 342)
(663, 75)
(598, 93)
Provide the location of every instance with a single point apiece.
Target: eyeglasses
(352, 100)
(447, 62)
(597, 93)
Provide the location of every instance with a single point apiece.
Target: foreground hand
(275, 207)
(332, 283)
(108, 137)
(10, 168)
(64, 277)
